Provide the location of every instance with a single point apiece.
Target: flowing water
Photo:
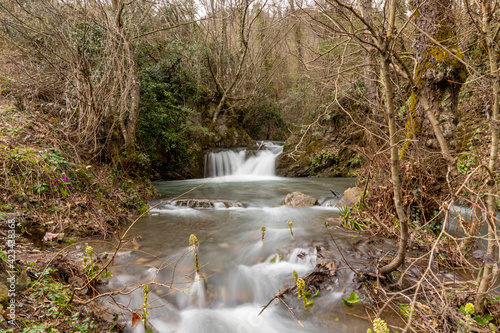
(241, 272)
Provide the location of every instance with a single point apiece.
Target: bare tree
(488, 9)
(87, 48)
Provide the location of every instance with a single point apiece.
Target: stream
(242, 272)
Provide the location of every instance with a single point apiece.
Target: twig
(279, 297)
(340, 251)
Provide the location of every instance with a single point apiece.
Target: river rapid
(241, 272)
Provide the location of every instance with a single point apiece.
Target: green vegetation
(54, 297)
(145, 309)
(47, 177)
(170, 125)
(379, 326)
(353, 299)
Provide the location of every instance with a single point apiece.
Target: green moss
(411, 125)
(314, 145)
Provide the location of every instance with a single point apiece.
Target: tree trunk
(438, 74)
(487, 277)
(128, 82)
(369, 67)
(384, 43)
(298, 38)
(396, 183)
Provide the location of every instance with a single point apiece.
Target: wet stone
(299, 199)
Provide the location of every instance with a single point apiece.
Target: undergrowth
(47, 184)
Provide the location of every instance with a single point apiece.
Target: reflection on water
(241, 274)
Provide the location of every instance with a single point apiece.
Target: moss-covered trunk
(439, 73)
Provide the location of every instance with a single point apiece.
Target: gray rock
(351, 197)
(298, 199)
(205, 203)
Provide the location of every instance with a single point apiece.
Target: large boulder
(351, 197)
(298, 199)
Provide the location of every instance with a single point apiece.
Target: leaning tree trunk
(438, 73)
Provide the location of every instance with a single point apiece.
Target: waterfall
(236, 163)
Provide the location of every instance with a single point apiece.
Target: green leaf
(353, 298)
(480, 320)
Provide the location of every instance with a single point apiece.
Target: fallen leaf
(135, 319)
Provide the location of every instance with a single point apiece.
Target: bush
(168, 115)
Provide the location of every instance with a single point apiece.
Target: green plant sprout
(90, 268)
(485, 320)
(347, 221)
(289, 223)
(344, 212)
(193, 241)
(353, 298)
(301, 293)
(379, 326)
(263, 229)
(145, 308)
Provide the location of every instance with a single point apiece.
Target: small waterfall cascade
(238, 163)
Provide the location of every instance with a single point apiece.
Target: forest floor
(54, 197)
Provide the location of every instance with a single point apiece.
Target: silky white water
(235, 164)
(240, 272)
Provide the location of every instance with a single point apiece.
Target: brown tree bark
(297, 32)
(385, 60)
(128, 107)
(369, 67)
(487, 278)
(396, 182)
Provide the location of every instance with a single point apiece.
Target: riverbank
(55, 196)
